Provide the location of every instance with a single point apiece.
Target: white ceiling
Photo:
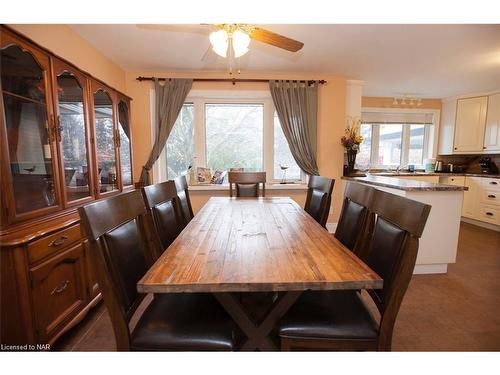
(433, 61)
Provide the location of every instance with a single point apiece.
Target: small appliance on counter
(429, 165)
(488, 166)
(439, 166)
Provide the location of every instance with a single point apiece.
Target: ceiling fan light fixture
(220, 42)
(241, 41)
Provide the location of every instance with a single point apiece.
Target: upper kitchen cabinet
(492, 132)
(30, 167)
(469, 125)
(447, 127)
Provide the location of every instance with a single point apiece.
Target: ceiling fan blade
(277, 40)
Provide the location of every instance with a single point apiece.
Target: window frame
(199, 98)
(430, 137)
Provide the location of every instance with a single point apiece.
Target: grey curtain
(169, 100)
(297, 107)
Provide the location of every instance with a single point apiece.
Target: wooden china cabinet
(65, 141)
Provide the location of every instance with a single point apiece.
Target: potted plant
(351, 141)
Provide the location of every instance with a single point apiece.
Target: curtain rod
(232, 80)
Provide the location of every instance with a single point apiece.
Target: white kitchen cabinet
(470, 125)
(492, 131)
(452, 180)
(471, 197)
(447, 127)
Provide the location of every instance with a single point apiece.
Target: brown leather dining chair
(162, 201)
(340, 320)
(353, 216)
(121, 251)
(185, 203)
(319, 198)
(247, 183)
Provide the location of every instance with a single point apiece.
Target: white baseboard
(482, 224)
(422, 269)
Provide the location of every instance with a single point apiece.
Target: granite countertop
(404, 184)
(444, 174)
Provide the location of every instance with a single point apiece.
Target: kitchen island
(439, 241)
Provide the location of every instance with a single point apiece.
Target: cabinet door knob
(61, 288)
(491, 196)
(59, 241)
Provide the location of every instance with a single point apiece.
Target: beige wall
(64, 42)
(331, 122)
(386, 102)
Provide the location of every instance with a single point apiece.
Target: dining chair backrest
(395, 226)
(353, 217)
(319, 198)
(247, 183)
(162, 201)
(121, 250)
(184, 201)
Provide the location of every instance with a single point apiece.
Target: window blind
(396, 118)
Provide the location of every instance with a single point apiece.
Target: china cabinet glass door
(105, 142)
(31, 157)
(71, 130)
(125, 146)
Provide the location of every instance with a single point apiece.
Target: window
(392, 145)
(180, 143)
(227, 132)
(364, 154)
(284, 163)
(396, 137)
(234, 136)
(389, 144)
(416, 151)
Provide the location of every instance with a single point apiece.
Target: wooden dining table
(234, 246)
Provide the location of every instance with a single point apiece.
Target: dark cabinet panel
(58, 290)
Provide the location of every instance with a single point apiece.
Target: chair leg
(286, 345)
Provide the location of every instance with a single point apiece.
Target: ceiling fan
(233, 40)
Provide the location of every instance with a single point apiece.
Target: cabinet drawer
(490, 197)
(58, 290)
(490, 214)
(491, 183)
(45, 246)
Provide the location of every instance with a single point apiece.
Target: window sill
(277, 186)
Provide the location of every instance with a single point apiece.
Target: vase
(351, 161)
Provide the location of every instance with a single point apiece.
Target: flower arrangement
(351, 138)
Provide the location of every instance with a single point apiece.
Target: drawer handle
(489, 213)
(493, 183)
(60, 289)
(59, 241)
(491, 196)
